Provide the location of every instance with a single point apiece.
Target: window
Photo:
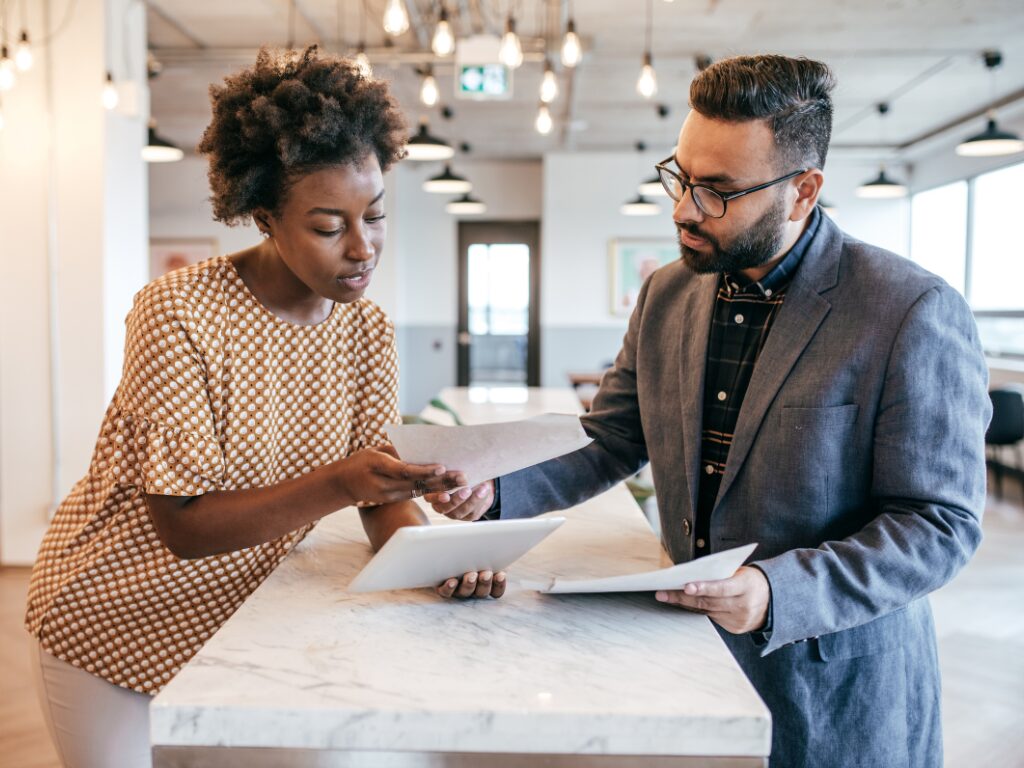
(938, 232)
(997, 250)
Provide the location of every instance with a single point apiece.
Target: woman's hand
(464, 504)
(378, 476)
(473, 584)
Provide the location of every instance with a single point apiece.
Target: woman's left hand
(474, 584)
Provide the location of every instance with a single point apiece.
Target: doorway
(499, 304)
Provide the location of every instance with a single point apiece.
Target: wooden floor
(979, 620)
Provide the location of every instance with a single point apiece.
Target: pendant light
(992, 141)
(158, 149)
(426, 147)
(652, 188)
(548, 83)
(429, 94)
(466, 206)
(447, 183)
(109, 97)
(7, 69)
(443, 42)
(23, 53)
(881, 186)
(647, 83)
(640, 206)
(396, 18)
(511, 51)
(572, 51)
(543, 123)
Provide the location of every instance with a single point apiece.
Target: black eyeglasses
(710, 201)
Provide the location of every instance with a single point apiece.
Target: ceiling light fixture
(511, 51)
(110, 98)
(548, 83)
(881, 187)
(158, 149)
(23, 53)
(7, 76)
(443, 43)
(426, 147)
(466, 206)
(429, 94)
(992, 141)
(447, 183)
(647, 83)
(572, 51)
(543, 123)
(640, 206)
(652, 187)
(396, 18)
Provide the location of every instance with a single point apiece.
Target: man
(797, 388)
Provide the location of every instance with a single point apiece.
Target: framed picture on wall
(632, 261)
(167, 254)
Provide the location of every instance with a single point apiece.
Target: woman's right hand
(378, 476)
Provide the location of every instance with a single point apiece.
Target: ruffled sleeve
(159, 433)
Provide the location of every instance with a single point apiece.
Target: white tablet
(426, 555)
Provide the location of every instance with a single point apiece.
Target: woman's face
(330, 229)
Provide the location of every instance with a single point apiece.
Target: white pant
(93, 723)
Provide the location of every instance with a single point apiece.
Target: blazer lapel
(801, 313)
(698, 305)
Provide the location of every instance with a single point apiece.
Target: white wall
(72, 210)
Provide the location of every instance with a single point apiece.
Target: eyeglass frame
(724, 197)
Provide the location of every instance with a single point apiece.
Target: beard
(752, 248)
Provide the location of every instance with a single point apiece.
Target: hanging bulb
(363, 61)
(443, 43)
(110, 96)
(23, 53)
(511, 51)
(544, 123)
(572, 51)
(647, 83)
(548, 84)
(396, 18)
(7, 76)
(428, 90)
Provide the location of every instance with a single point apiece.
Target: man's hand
(464, 504)
(473, 584)
(738, 604)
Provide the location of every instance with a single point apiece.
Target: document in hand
(720, 565)
(486, 451)
(426, 555)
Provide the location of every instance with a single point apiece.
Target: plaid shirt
(743, 316)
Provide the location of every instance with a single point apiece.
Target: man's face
(728, 157)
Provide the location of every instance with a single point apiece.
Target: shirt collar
(776, 280)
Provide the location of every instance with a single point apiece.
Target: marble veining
(305, 664)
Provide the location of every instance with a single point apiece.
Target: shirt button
(768, 292)
(700, 543)
(722, 395)
(708, 469)
(739, 318)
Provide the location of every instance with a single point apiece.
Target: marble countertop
(305, 664)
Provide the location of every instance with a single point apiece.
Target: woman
(253, 398)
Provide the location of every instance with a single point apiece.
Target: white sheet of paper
(720, 565)
(486, 451)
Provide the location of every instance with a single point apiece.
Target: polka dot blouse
(216, 394)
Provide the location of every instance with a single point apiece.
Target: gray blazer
(858, 465)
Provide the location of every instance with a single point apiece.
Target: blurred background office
(520, 226)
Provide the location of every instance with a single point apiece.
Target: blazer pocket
(877, 636)
(819, 418)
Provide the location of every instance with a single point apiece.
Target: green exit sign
(484, 81)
